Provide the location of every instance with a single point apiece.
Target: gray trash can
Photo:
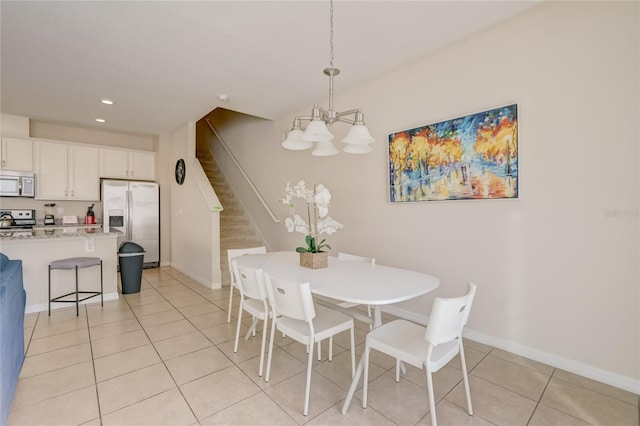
(130, 259)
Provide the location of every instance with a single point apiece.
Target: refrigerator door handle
(129, 215)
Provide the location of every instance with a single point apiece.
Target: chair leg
(353, 353)
(49, 290)
(319, 350)
(432, 402)
(252, 329)
(397, 370)
(273, 334)
(331, 348)
(264, 341)
(101, 286)
(77, 294)
(235, 345)
(230, 300)
(465, 378)
(365, 381)
(307, 387)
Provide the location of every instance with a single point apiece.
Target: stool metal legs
(77, 292)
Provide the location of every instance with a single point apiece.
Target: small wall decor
(180, 172)
(471, 157)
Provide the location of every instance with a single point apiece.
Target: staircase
(235, 228)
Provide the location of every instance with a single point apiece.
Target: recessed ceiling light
(101, 120)
(107, 101)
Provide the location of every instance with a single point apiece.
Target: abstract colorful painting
(471, 157)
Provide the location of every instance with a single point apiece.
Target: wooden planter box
(314, 260)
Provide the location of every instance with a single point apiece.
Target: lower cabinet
(66, 171)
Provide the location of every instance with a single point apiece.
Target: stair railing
(246, 177)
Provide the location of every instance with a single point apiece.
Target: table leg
(354, 385)
(377, 322)
(377, 316)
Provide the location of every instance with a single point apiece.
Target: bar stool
(76, 263)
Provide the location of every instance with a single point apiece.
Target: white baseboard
(613, 379)
(43, 307)
(201, 280)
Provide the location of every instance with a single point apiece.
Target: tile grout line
(93, 365)
(159, 356)
(234, 364)
(461, 380)
(541, 396)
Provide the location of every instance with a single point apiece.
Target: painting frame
(472, 157)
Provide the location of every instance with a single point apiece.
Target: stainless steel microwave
(17, 184)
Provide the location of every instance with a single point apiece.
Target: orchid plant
(318, 222)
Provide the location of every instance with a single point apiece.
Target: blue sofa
(12, 303)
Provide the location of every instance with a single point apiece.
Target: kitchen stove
(22, 219)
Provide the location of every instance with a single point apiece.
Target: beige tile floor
(164, 356)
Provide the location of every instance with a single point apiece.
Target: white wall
(195, 225)
(557, 269)
(46, 130)
(14, 125)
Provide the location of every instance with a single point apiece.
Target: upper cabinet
(127, 164)
(17, 154)
(66, 171)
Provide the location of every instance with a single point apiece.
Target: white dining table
(353, 282)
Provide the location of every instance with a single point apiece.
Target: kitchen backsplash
(69, 208)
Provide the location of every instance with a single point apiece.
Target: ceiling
(164, 63)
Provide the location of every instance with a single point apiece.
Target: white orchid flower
(328, 226)
(318, 197)
(300, 190)
(288, 193)
(322, 199)
(296, 224)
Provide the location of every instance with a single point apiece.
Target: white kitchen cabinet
(17, 154)
(84, 183)
(66, 171)
(127, 164)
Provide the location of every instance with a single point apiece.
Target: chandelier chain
(331, 34)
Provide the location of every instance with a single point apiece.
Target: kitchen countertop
(52, 232)
(79, 225)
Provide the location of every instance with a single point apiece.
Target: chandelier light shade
(294, 140)
(357, 149)
(358, 140)
(317, 131)
(325, 149)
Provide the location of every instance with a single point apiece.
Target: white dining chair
(231, 254)
(253, 299)
(294, 314)
(432, 347)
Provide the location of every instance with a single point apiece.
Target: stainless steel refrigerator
(133, 207)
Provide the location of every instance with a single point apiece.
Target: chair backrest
(345, 257)
(448, 317)
(232, 253)
(250, 281)
(290, 298)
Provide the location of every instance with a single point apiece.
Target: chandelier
(358, 139)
